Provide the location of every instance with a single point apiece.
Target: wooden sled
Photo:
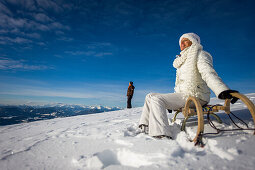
(198, 111)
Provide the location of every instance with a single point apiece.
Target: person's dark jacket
(130, 90)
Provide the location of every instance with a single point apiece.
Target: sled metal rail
(199, 111)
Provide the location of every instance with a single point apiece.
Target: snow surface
(111, 140)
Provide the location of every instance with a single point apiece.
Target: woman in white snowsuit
(194, 76)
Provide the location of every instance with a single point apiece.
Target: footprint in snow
(123, 157)
(132, 131)
(123, 142)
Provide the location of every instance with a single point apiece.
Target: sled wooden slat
(198, 111)
(193, 112)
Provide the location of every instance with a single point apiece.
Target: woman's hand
(226, 95)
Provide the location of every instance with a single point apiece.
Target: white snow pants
(154, 111)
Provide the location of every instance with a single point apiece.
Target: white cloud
(41, 43)
(42, 17)
(48, 93)
(57, 25)
(102, 54)
(18, 40)
(26, 24)
(99, 45)
(33, 35)
(10, 88)
(89, 53)
(58, 32)
(10, 64)
(32, 5)
(49, 5)
(3, 31)
(68, 39)
(4, 9)
(95, 49)
(27, 4)
(10, 22)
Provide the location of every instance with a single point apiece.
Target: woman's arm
(209, 75)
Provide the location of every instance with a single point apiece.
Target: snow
(111, 140)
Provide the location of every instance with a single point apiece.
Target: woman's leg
(173, 101)
(158, 120)
(144, 120)
(154, 111)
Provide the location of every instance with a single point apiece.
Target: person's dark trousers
(129, 102)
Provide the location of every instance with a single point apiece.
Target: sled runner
(200, 111)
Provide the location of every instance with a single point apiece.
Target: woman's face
(185, 42)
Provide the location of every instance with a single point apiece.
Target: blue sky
(86, 51)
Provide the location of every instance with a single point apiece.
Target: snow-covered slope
(111, 140)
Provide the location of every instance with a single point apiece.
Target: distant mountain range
(25, 113)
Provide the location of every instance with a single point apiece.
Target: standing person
(130, 93)
(194, 76)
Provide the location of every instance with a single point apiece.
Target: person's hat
(194, 38)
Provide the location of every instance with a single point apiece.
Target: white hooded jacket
(195, 73)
